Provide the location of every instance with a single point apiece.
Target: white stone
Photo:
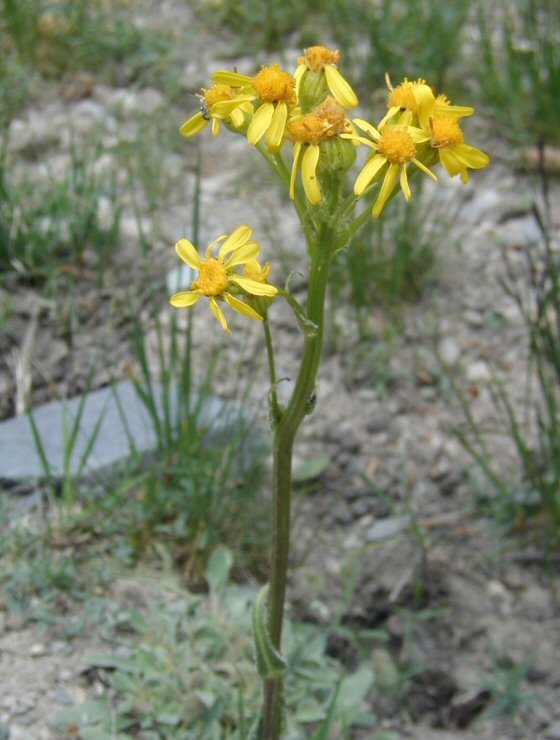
(478, 372)
(449, 351)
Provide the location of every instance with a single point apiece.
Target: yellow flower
(274, 89)
(219, 102)
(317, 59)
(407, 100)
(447, 137)
(308, 132)
(217, 278)
(393, 148)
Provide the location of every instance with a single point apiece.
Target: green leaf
(311, 469)
(218, 568)
(101, 660)
(88, 713)
(270, 663)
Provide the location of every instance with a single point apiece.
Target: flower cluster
(309, 109)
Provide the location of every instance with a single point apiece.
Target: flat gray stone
(114, 421)
(386, 528)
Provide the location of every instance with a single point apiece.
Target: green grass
(395, 259)
(526, 496)
(45, 227)
(518, 68)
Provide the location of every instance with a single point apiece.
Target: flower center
(273, 84)
(397, 146)
(317, 57)
(217, 93)
(212, 279)
(324, 122)
(402, 96)
(445, 131)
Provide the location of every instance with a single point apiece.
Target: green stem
(285, 433)
(274, 407)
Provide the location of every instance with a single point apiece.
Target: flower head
(318, 65)
(393, 147)
(273, 92)
(217, 103)
(218, 279)
(447, 138)
(325, 123)
(408, 101)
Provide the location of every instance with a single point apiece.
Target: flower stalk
(309, 110)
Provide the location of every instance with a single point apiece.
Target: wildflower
(409, 99)
(318, 66)
(254, 271)
(219, 102)
(446, 137)
(217, 278)
(274, 90)
(325, 123)
(394, 147)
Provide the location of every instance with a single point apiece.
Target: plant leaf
(270, 662)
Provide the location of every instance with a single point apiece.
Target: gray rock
(114, 422)
(386, 528)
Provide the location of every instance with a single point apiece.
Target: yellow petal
(417, 135)
(187, 252)
(194, 125)
(241, 255)
(219, 314)
(341, 90)
(259, 123)
(404, 184)
(460, 111)
(275, 132)
(426, 103)
(237, 117)
(387, 187)
(215, 126)
(367, 127)
(393, 110)
(309, 174)
(185, 298)
(234, 79)
(370, 170)
(297, 152)
(470, 156)
(237, 239)
(224, 108)
(241, 307)
(298, 74)
(423, 167)
(252, 286)
(450, 161)
(359, 140)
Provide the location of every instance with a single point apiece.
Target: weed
(505, 685)
(186, 669)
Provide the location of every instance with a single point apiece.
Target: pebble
(37, 650)
(449, 351)
(386, 528)
(478, 372)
